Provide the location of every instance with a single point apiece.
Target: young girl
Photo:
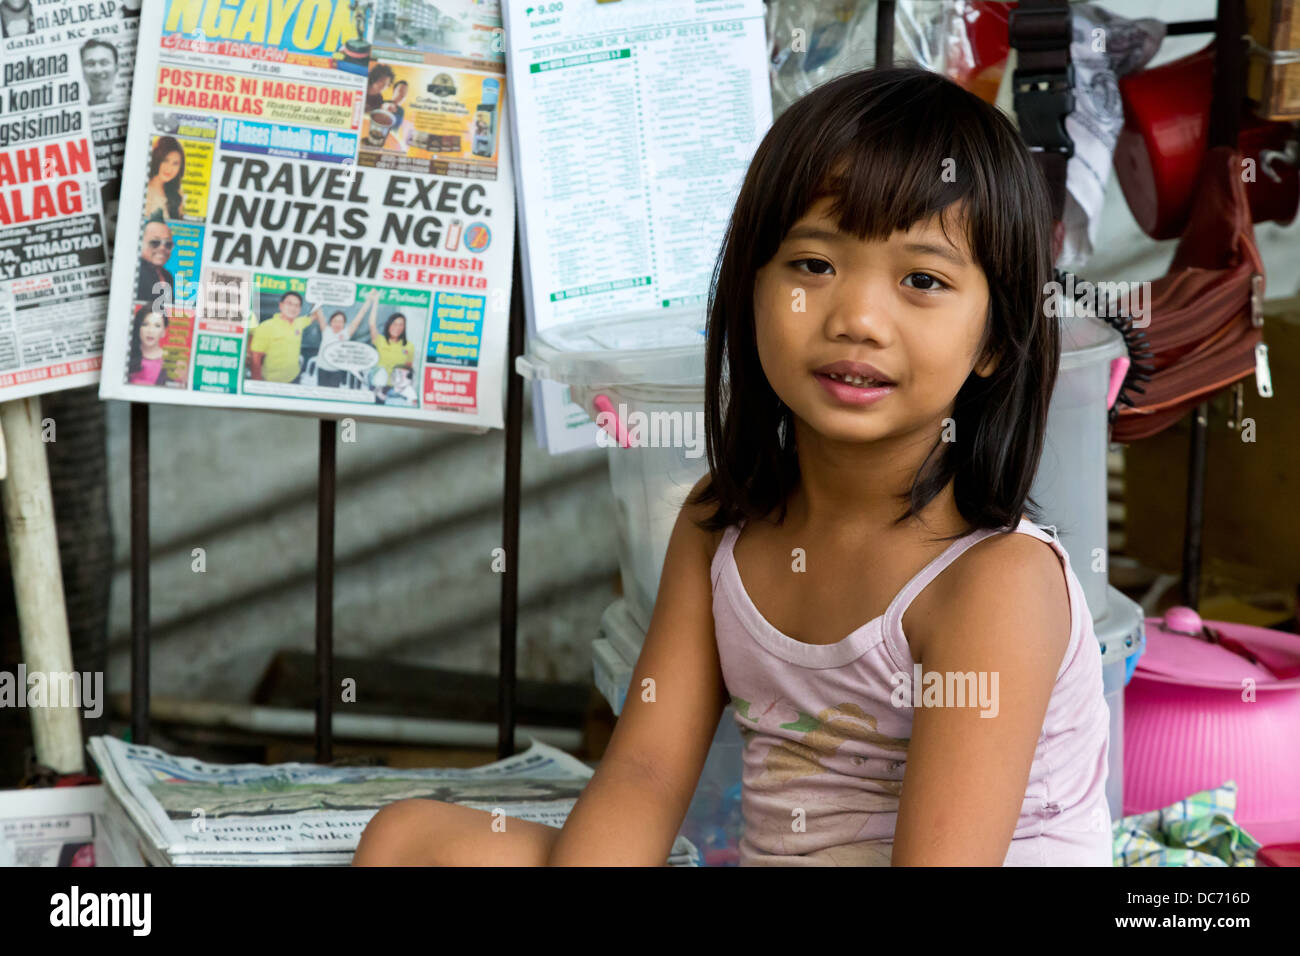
(879, 368)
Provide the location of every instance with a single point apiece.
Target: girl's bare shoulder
(697, 513)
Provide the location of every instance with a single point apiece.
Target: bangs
(892, 157)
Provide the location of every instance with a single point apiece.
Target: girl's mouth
(852, 390)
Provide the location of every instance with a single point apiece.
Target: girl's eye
(929, 278)
(816, 262)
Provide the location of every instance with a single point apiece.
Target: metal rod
(1184, 27)
(884, 34)
(510, 518)
(1194, 523)
(1229, 74)
(139, 573)
(325, 593)
(382, 728)
(1225, 122)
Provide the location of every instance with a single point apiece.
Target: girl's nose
(859, 311)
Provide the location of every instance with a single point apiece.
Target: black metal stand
(325, 503)
(510, 516)
(139, 573)
(884, 34)
(325, 593)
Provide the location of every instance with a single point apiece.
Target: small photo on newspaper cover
(317, 223)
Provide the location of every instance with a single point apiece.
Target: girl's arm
(1006, 614)
(352, 326)
(372, 303)
(632, 808)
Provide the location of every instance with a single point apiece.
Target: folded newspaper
(184, 812)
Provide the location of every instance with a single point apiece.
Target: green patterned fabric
(1196, 831)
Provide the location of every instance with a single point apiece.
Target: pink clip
(1118, 369)
(603, 404)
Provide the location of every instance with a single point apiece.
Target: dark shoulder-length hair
(892, 147)
(135, 354)
(389, 324)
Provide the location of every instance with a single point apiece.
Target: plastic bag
(813, 41)
(965, 40)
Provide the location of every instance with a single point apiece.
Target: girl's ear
(988, 366)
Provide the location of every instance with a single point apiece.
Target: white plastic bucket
(1121, 633)
(642, 377)
(1070, 486)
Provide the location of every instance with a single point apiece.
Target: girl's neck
(848, 491)
(151, 353)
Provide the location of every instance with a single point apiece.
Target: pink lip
(856, 369)
(852, 394)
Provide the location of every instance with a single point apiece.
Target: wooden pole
(38, 585)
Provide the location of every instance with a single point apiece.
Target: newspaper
(188, 812)
(318, 212)
(635, 123)
(65, 83)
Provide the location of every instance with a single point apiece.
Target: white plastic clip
(1263, 378)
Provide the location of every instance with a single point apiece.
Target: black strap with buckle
(1043, 85)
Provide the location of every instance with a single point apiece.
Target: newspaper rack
(1229, 82)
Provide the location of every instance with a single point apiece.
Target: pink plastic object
(1118, 369)
(1197, 715)
(1279, 854)
(1183, 620)
(1182, 657)
(603, 404)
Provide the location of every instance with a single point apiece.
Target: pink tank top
(822, 735)
(148, 374)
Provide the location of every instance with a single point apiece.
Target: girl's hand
(1002, 612)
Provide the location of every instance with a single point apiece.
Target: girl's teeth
(853, 380)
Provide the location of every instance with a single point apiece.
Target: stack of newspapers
(174, 811)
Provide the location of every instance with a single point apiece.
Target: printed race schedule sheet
(627, 169)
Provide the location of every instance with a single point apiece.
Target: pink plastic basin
(1189, 725)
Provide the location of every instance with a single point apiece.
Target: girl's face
(151, 330)
(170, 167)
(337, 322)
(396, 328)
(915, 314)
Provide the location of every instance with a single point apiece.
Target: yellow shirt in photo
(282, 342)
(392, 354)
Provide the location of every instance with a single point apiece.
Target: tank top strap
(893, 621)
(725, 547)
